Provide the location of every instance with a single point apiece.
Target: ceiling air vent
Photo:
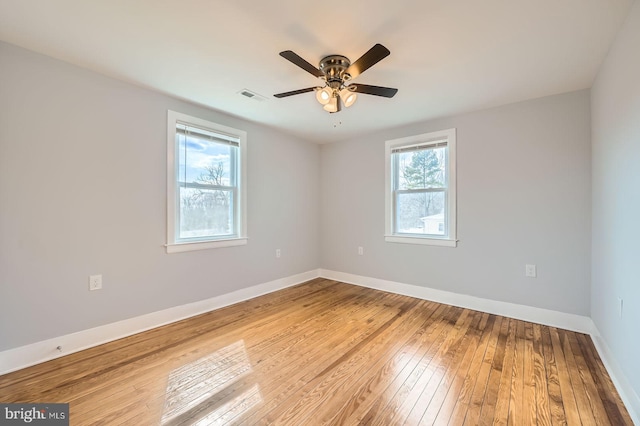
(252, 95)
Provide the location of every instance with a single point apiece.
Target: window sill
(442, 242)
(204, 245)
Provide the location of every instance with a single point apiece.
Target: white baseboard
(579, 323)
(35, 353)
(627, 394)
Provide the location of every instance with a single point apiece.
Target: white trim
(627, 394)
(181, 247)
(424, 139)
(579, 323)
(35, 353)
(443, 242)
(240, 212)
(388, 199)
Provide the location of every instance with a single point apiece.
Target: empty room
(297, 213)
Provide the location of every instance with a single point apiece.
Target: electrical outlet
(530, 271)
(95, 282)
(278, 253)
(360, 251)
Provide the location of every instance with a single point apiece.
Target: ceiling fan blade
(369, 59)
(294, 92)
(297, 60)
(386, 92)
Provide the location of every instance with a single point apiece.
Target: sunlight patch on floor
(197, 386)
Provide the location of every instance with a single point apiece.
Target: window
(420, 192)
(205, 184)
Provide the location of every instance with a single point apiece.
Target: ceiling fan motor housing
(334, 69)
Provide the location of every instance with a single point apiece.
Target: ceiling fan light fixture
(332, 105)
(335, 72)
(324, 95)
(348, 97)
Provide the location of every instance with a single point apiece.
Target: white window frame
(174, 245)
(425, 139)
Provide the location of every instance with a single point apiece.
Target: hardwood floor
(326, 352)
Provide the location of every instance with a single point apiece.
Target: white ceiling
(447, 56)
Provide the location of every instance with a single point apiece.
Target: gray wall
(83, 191)
(524, 196)
(615, 101)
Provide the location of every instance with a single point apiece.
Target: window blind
(205, 134)
(419, 147)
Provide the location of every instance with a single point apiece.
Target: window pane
(205, 213)
(205, 162)
(420, 213)
(421, 169)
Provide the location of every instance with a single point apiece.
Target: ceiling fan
(336, 71)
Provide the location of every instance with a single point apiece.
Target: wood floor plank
(493, 383)
(299, 357)
(476, 404)
(397, 410)
(588, 384)
(529, 408)
(354, 364)
(556, 406)
(587, 417)
(377, 399)
(456, 391)
(501, 413)
(393, 362)
(440, 384)
(330, 353)
(366, 365)
(517, 379)
(543, 412)
(606, 390)
(568, 399)
(388, 403)
(314, 365)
